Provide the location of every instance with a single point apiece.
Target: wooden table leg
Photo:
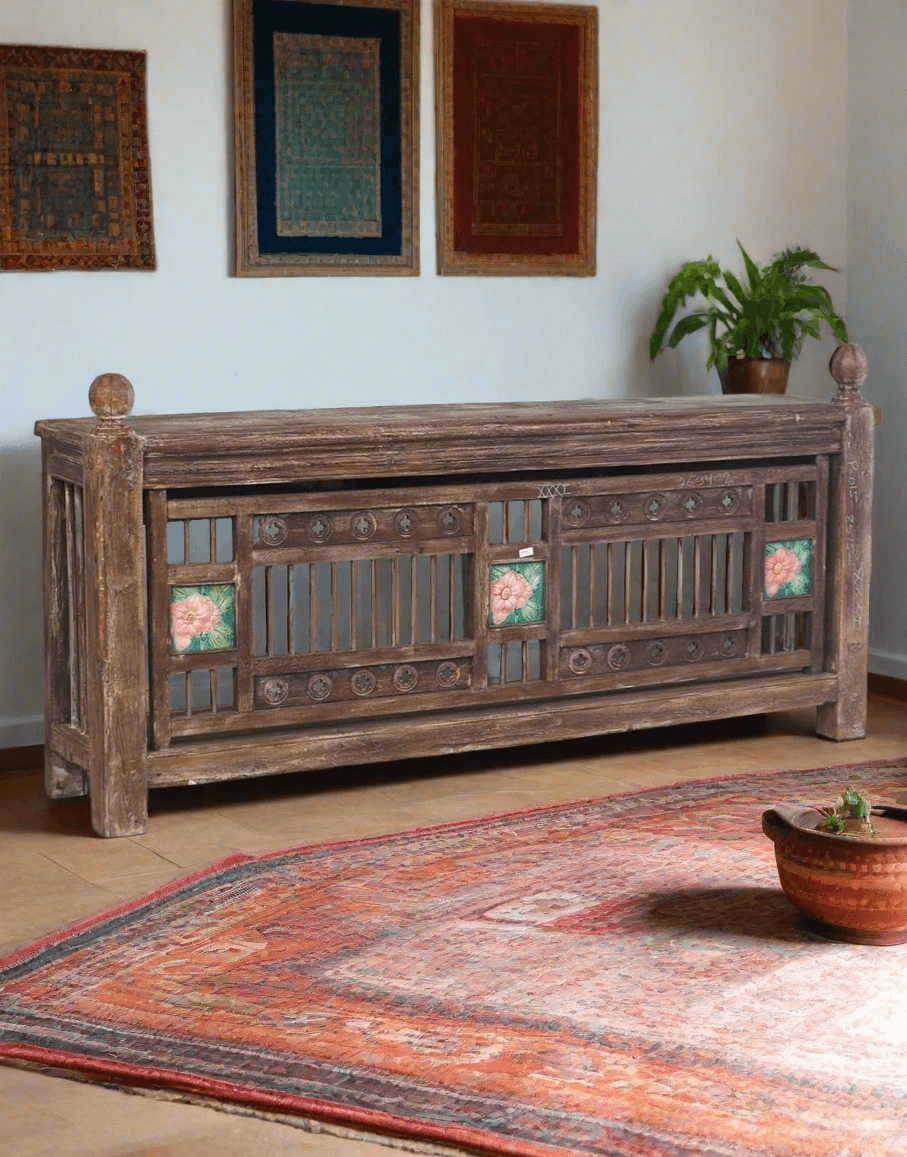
(115, 614)
(849, 556)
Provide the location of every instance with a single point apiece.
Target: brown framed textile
(75, 177)
(326, 137)
(517, 106)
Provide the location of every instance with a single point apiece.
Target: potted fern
(755, 329)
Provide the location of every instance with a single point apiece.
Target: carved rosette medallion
(577, 512)
(319, 528)
(728, 501)
(693, 650)
(450, 520)
(275, 691)
(406, 678)
(656, 652)
(618, 656)
(319, 687)
(447, 674)
(654, 507)
(406, 522)
(272, 531)
(363, 525)
(617, 510)
(728, 646)
(692, 504)
(580, 661)
(363, 683)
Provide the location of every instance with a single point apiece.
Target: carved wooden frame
(579, 264)
(249, 260)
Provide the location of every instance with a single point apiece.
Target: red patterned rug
(618, 977)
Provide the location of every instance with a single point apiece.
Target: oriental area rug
(618, 977)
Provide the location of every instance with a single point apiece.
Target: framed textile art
(517, 137)
(75, 179)
(326, 137)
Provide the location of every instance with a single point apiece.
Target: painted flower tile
(202, 618)
(788, 568)
(517, 593)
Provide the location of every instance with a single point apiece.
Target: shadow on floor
(756, 912)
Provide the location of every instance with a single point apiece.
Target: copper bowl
(851, 888)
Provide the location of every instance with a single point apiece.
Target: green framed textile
(326, 137)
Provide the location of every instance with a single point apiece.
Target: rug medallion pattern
(620, 978)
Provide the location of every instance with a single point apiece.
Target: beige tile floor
(53, 871)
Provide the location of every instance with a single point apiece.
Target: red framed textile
(517, 138)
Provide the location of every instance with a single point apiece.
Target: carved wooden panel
(345, 603)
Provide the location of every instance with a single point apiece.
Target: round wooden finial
(111, 396)
(849, 368)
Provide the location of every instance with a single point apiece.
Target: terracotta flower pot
(847, 887)
(755, 376)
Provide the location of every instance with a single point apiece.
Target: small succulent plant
(850, 811)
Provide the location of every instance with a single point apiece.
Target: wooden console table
(234, 595)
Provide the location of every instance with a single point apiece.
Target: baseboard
(887, 663)
(21, 730)
(887, 686)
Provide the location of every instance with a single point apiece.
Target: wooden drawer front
(349, 603)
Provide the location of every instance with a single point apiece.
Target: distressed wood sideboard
(233, 595)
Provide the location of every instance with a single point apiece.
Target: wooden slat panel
(433, 597)
(754, 574)
(245, 610)
(817, 636)
(477, 597)
(61, 779)
(269, 610)
(80, 592)
(354, 605)
(593, 583)
(552, 523)
(76, 708)
(680, 589)
(158, 618)
(291, 609)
